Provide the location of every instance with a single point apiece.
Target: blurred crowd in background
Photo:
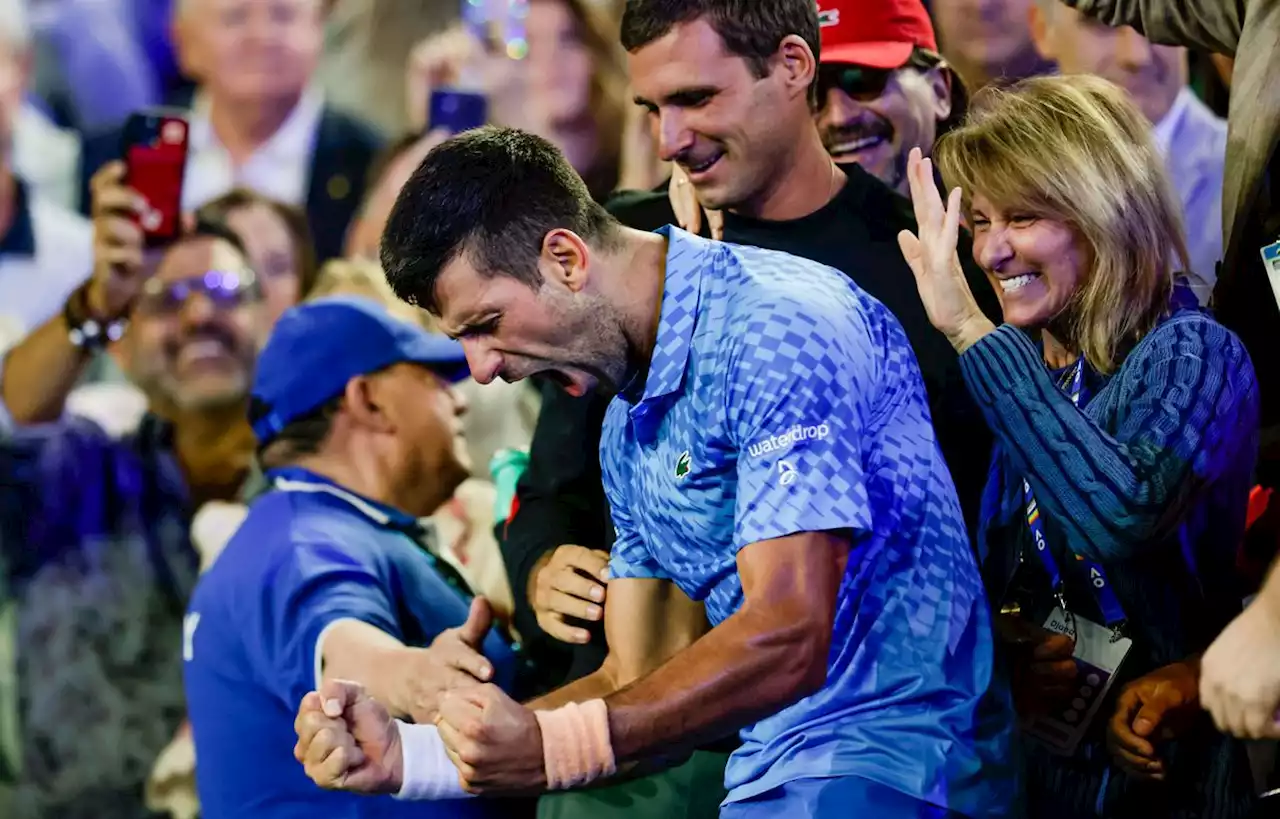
(125, 468)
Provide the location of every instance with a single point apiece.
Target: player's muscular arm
(770, 653)
(646, 623)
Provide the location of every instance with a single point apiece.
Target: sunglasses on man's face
(857, 82)
(226, 289)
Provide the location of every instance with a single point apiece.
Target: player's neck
(805, 182)
(638, 274)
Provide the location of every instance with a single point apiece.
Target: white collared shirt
(280, 168)
(33, 289)
(1193, 143)
(1164, 130)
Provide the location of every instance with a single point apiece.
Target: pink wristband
(575, 744)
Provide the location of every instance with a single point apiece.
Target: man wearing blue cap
(331, 574)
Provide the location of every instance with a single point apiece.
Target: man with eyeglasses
(96, 560)
(882, 87)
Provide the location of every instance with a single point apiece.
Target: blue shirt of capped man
(312, 553)
(782, 399)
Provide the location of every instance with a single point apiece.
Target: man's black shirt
(561, 497)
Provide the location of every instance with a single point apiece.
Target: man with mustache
(883, 89)
(334, 574)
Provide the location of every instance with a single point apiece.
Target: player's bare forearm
(646, 622)
(746, 668)
(770, 653)
(596, 685)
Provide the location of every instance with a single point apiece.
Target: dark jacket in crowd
(96, 567)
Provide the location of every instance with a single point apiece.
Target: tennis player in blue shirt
(769, 455)
(331, 574)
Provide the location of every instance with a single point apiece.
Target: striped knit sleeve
(1190, 406)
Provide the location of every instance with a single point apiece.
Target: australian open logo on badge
(1271, 260)
(1037, 533)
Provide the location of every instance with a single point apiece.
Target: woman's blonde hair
(1076, 150)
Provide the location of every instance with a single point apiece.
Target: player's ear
(564, 259)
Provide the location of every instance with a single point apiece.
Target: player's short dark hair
(750, 29)
(494, 194)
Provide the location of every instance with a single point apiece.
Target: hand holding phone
(437, 62)
(155, 153)
(118, 243)
(457, 78)
(455, 111)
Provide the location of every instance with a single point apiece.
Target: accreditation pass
(1098, 655)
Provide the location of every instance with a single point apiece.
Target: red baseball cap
(874, 33)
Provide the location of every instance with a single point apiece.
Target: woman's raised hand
(931, 253)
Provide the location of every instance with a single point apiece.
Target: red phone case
(156, 158)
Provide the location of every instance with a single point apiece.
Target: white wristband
(428, 771)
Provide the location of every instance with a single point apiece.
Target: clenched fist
(494, 741)
(348, 741)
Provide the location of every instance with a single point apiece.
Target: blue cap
(318, 346)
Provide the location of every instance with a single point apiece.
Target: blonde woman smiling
(1126, 428)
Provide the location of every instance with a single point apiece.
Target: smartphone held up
(455, 110)
(499, 25)
(155, 155)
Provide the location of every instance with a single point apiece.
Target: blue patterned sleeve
(630, 557)
(800, 382)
